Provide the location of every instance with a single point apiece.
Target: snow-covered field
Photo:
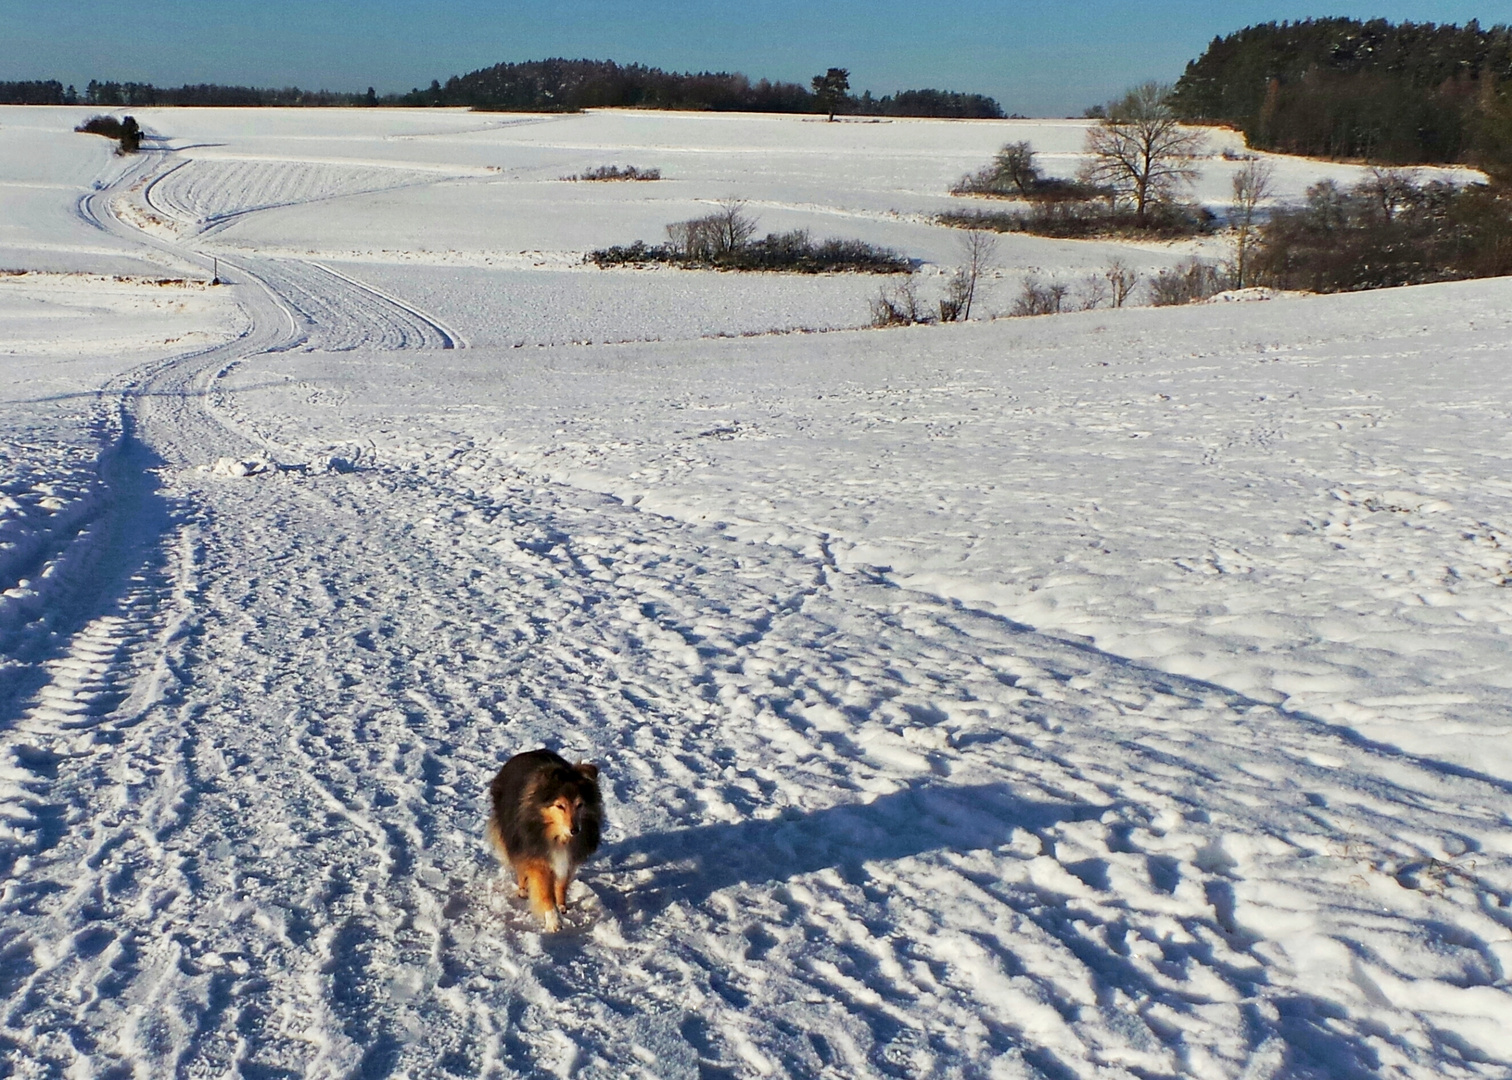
(1119, 694)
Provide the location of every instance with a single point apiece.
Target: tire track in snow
(82, 744)
(339, 314)
(204, 195)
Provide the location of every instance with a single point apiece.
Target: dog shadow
(649, 872)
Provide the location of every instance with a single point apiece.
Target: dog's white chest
(561, 862)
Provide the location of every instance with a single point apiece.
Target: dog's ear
(588, 769)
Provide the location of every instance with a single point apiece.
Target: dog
(547, 818)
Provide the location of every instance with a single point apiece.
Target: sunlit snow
(1113, 694)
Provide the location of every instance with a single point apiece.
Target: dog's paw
(551, 920)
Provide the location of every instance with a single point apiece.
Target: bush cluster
(725, 240)
(1188, 282)
(124, 130)
(1387, 230)
(1080, 219)
(1013, 174)
(1112, 286)
(899, 306)
(616, 172)
(1066, 209)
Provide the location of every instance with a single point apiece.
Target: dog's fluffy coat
(546, 820)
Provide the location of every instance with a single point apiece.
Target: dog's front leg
(541, 887)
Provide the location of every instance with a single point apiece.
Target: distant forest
(583, 84)
(551, 85)
(134, 94)
(1407, 93)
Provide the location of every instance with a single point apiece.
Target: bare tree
(1390, 190)
(721, 233)
(1252, 186)
(1012, 172)
(1121, 278)
(1014, 163)
(1040, 298)
(735, 225)
(1140, 151)
(1095, 290)
(978, 247)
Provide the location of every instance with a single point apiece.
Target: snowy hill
(1121, 694)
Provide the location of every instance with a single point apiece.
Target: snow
(1116, 694)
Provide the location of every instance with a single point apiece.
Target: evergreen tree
(830, 90)
(1395, 93)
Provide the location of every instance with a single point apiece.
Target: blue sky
(1036, 57)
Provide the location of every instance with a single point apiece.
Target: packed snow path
(856, 830)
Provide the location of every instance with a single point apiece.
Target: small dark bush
(616, 172)
(126, 131)
(631, 254)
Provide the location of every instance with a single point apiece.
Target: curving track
(204, 194)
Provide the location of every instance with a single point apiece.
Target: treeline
(568, 85)
(555, 85)
(37, 92)
(1408, 93)
(135, 94)
(933, 103)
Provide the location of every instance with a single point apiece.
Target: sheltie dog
(546, 820)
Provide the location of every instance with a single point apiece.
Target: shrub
(1011, 173)
(616, 172)
(630, 254)
(722, 240)
(1040, 298)
(126, 131)
(1094, 293)
(1079, 219)
(1187, 282)
(898, 305)
(955, 305)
